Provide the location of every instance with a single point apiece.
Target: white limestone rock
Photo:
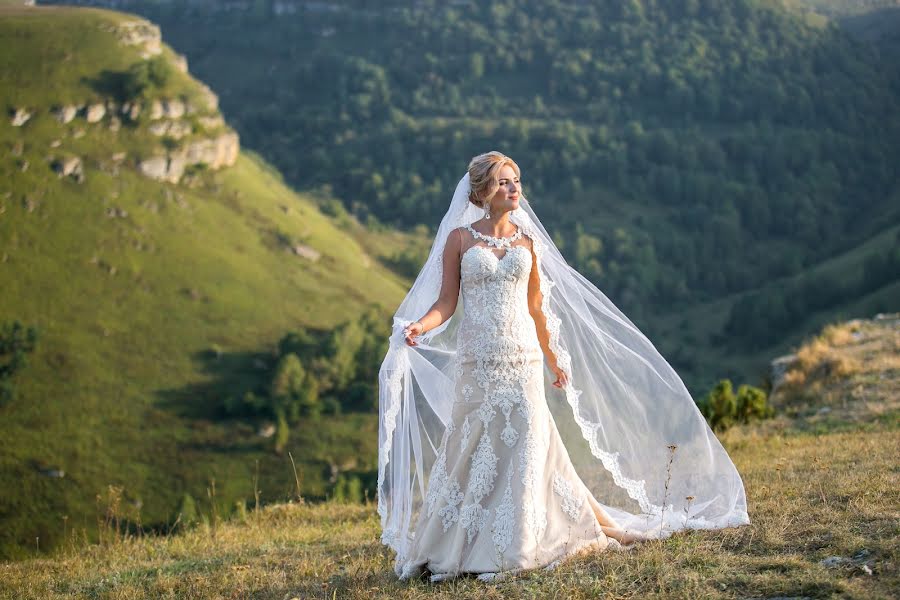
(64, 114)
(19, 117)
(143, 34)
(173, 109)
(174, 129)
(69, 167)
(95, 112)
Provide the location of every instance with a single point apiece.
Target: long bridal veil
(632, 430)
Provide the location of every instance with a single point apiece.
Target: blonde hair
(483, 179)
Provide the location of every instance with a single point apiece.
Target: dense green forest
(679, 151)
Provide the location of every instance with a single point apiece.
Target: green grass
(123, 388)
(61, 48)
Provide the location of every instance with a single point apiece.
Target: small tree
(348, 489)
(722, 408)
(293, 390)
(752, 404)
(146, 75)
(721, 405)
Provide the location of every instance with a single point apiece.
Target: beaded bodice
(496, 321)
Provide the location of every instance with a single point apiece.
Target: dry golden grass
(839, 334)
(810, 496)
(818, 485)
(850, 371)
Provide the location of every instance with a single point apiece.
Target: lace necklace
(497, 242)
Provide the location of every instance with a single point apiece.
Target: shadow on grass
(231, 376)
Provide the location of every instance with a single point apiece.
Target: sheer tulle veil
(635, 435)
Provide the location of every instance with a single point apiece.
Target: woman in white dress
(479, 479)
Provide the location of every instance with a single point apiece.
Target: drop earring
(487, 211)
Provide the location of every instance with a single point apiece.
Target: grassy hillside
(153, 301)
(822, 491)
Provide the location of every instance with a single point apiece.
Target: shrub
(187, 515)
(348, 489)
(721, 405)
(145, 76)
(16, 341)
(722, 408)
(752, 404)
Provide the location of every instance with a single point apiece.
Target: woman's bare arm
(535, 308)
(445, 305)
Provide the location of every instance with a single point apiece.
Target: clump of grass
(819, 360)
(822, 359)
(846, 374)
(839, 334)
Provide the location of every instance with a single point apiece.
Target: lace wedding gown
(503, 494)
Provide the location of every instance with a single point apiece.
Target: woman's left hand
(562, 380)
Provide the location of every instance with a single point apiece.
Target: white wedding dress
(503, 494)
(473, 475)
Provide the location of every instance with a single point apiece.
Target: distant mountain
(161, 266)
(705, 163)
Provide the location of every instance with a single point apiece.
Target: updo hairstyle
(483, 179)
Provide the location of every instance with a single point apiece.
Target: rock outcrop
(209, 98)
(158, 168)
(19, 116)
(190, 121)
(65, 114)
(69, 167)
(215, 153)
(170, 109)
(132, 110)
(93, 113)
(211, 123)
(307, 252)
(140, 33)
(173, 129)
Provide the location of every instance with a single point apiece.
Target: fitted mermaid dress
(503, 494)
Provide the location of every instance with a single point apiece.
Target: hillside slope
(154, 299)
(822, 491)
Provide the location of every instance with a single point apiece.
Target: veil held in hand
(631, 428)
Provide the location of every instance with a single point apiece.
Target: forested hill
(719, 169)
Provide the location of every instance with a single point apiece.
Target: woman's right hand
(412, 330)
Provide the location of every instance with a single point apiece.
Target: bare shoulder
(454, 239)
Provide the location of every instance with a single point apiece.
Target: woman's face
(507, 196)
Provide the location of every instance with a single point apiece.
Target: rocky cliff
(153, 97)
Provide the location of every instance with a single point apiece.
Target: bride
(489, 466)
